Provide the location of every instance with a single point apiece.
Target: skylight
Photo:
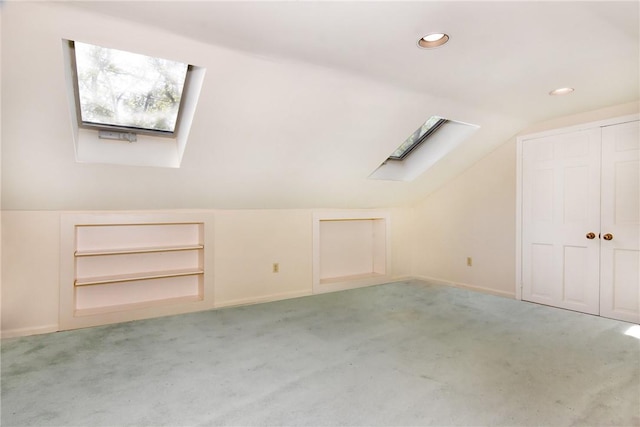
(425, 147)
(123, 91)
(417, 137)
(116, 98)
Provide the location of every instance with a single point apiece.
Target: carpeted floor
(405, 353)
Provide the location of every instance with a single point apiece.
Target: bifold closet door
(620, 222)
(561, 220)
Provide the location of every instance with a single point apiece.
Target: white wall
(246, 243)
(31, 261)
(474, 215)
(346, 248)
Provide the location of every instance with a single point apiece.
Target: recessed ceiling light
(433, 37)
(433, 40)
(562, 91)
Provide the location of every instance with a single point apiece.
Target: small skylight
(429, 144)
(418, 137)
(123, 91)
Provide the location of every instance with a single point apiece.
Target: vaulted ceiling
(503, 56)
(303, 100)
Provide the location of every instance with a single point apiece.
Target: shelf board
(350, 278)
(105, 280)
(127, 224)
(146, 250)
(136, 305)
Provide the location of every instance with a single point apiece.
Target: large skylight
(124, 91)
(417, 137)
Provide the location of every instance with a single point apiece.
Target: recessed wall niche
(120, 267)
(350, 249)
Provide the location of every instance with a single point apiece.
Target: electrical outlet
(276, 267)
(469, 261)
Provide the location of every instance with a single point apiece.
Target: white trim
(267, 298)
(467, 286)
(579, 127)
(23, 332)
(351, 214)
(518, 278)
(552, 132)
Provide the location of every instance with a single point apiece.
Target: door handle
(591, 236)
(608, 236)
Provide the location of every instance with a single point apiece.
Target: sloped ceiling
(303, 100)
(503, 56)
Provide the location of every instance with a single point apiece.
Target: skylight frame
(430, 131)
(120, 128)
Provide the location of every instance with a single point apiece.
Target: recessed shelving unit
(130, 267)
(350, 249)
(130, 254)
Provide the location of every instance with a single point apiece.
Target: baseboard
(482, 289)
(266, 298)
(23, 332)
(403, 278)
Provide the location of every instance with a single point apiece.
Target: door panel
(561, 204)
(620, 217)
(541, 276)
(573, 289)
(627, 199)
(625, 281)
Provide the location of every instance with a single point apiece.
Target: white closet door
(561, 204)
(620, 256)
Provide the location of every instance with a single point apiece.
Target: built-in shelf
(351, 249)
(83, 253)
(119, 278)
(132, 265)
(124, 266)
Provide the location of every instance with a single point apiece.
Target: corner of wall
(1, 209)
(584, 117)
